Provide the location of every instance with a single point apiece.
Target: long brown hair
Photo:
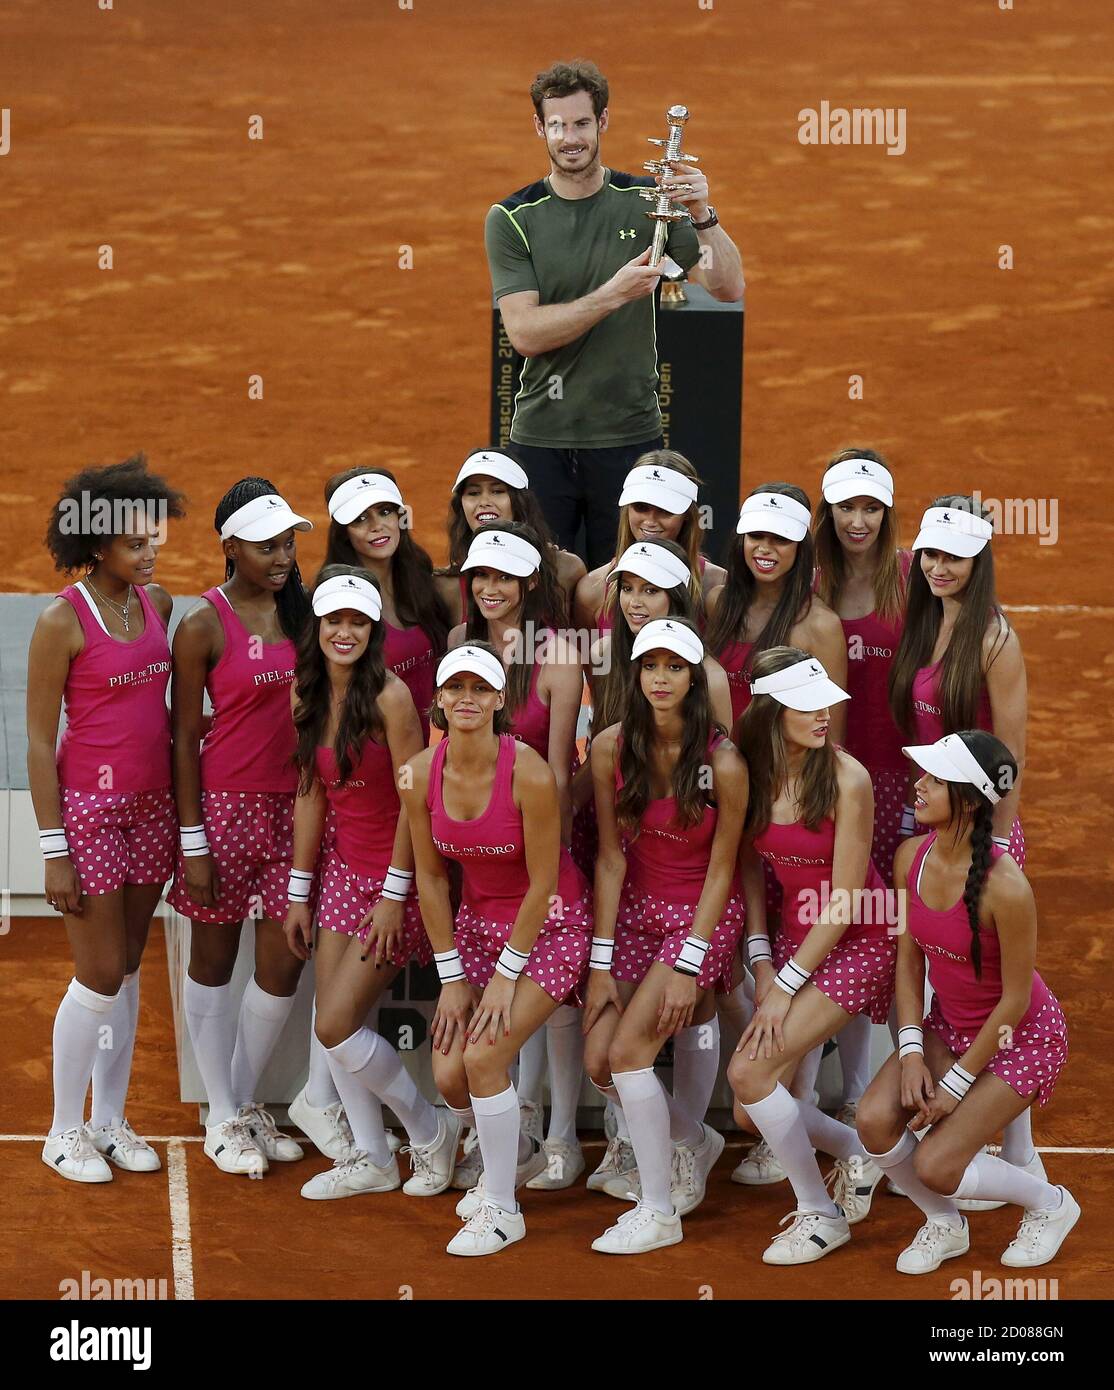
(637, 740)
(534, 612)
(889, 587)
(416, 600)
(359, 716)
(729, 622)
(690, 537)
(961, 672)
(612, 692)
(525, 508)
(759, 738)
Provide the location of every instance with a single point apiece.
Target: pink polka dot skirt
(650, 929)
(889, 802)
(558, 963)
(251, 838)
(346, 897)
(1031, 1064)
(858, 976)
(120, 837)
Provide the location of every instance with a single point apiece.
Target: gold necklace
(121, 608)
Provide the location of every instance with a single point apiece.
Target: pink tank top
(530, 723)
(365, 808)
(872, 735)
(408, 652)
(250, 744)
(490, 849)
(735, 660)
(928, 713)
(945, 939)
(802, 863)
(665, 859)
(117, 734)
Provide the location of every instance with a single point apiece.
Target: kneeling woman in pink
(994, 1039)
(356, 725)
(671, 795)
(102, 798)
(811, 818)
(520, 942)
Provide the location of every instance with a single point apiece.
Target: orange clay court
(387, 127)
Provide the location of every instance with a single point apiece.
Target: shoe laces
(804, 1223)
(1032, 1228)
(77, 1144)
(256, 1115)
(342, 1167)
(761, 1155)
(638, 1215)
(236, 1132)
(482, 1219)
(929, 1234)
(844, 1178)
(684, 1168)
(339, 1121)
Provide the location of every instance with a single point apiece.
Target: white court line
(1055, 608)
(182, 1248)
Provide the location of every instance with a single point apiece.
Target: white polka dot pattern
(558, 963)
(1036, 1055)
(120, 837)
(650, 929)
(251, 838)
(858, 975)
(346, 897)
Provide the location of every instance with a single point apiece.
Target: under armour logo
(624, 234)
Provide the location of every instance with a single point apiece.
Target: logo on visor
(772, 502)
(350, 583)
(366, 482)
(497, 539)
(864, 469)
(642, 550)
(946, 519)
(669, 627)
(814, 670)
(273, 502)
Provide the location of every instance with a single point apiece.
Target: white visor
(502, 551)
(804, 686)
(954, 532)
(347, 591)
(951, 760)
(354, 497)
(476, 663)
(489, 463)
(663, 488)
(776, 513)
(262, 518)
(858, 478)
(654, 564)
(673, 637)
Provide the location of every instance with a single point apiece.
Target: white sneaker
(759, 1167)
(325, 1126)
(534, 1163)
(932, 1245)
(121, 1145)
(487, 1231)
(233, 1149)
(260, 1123)
(853, 1182)
(467, 1172)
(810, 1237)
(432, 1163)
(847, 1112)
(564, 1164)
(691, 1167)
(530, 1118)
(72, 1154)
(618, 1172)
(1034, 1166)
(394, 1143)
(351, 1177)
(1041, 1233)
(610, 1127)
(639, 1230)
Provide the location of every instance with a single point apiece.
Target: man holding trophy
(571, 266)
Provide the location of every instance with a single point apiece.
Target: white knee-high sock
(853, 1041)
(77, 1024)
(497, 1123)
(531, 1068)
(803, 1084)
(897, 1163)
(262, 1018)
(996, 1180)
(565, 1045)
(647, 1112)
(695, 1068)
(832, 1137)
(321, 1089)
(112, 1067)
(212, 1025)
(781, 1124)
(370, 1060)
(1017, 1138)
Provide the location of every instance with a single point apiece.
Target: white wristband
(191, 839)
(690, 959)
(397, 884)
(908, 820)
(1003, 840)
(758, 948)
(910, 1039)
(511, 963)
(449, 968)
(957, 1081)
(299, 887)
(53, 844)
(603, 948)
(791, 977)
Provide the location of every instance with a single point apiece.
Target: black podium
(700, 360)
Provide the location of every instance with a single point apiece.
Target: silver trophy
(665, 210)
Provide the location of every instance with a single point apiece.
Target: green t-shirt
(600, 390)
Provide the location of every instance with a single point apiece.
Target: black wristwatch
(713, 221)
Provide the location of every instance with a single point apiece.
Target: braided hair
(970, 807)
(291, 602)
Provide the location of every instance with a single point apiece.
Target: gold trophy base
(673, 294)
